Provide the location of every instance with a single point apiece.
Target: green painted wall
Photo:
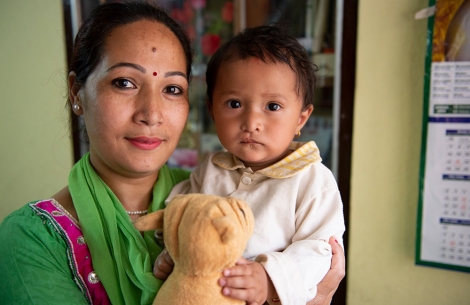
(385, 164)
(35, 149)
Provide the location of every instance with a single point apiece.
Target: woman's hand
(327, 287)
(163, 265)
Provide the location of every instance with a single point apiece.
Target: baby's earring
(297, 134)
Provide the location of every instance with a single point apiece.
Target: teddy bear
(204, 234)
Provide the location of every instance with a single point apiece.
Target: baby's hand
(163, 265)
(247, 281)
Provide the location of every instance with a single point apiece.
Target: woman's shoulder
(28, 227)
(24, 214)
(34, 248)
(34, 219)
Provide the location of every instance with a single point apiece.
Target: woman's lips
(145, 143)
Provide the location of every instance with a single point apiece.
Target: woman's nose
(150, 108)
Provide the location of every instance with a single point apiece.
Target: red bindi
(154, 73)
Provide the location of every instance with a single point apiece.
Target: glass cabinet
(211, 22)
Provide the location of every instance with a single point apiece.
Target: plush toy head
(204, 234)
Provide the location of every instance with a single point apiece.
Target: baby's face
(257, 110)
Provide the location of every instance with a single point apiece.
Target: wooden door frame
(346, 111)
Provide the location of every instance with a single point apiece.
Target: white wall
(385, 164)
(35, 149)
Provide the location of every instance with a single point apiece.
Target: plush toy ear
(225, 227)
(244, 214)
(151, 221)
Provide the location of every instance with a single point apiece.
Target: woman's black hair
(89, 42)
(270, 43)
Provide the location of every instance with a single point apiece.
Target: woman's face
(135, 102)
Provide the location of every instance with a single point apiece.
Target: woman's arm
(327, 287)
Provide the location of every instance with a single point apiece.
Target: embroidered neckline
(62, 209)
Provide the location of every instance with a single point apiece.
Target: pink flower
(198, 3)
(210, 43)
(227, 12)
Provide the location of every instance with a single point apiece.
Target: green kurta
(34, 267)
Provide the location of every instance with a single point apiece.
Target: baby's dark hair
(270, 43)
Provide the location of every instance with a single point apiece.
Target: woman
(129, 80)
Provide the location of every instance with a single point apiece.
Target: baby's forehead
(269, 59)
(253, 62)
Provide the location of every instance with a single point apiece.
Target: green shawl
(122, 258)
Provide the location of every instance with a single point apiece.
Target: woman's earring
(297, 134)
(76, 107)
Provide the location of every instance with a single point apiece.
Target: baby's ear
(304, 115)
(152, 221)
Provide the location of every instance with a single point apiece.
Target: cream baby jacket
(297, 207)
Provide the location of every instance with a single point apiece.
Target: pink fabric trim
(81, 258)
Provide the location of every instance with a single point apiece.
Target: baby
(260, 88)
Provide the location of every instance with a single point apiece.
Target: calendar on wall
(443, 237)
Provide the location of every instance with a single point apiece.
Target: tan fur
(204, 234)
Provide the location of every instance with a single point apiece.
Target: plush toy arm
(149, 222)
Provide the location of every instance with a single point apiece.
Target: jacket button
(246, 180)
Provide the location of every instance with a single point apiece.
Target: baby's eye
(123, 83)
(243, 212)
(173, 90)
(234, 104)
(273, 107)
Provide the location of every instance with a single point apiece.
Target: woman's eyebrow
(173, 73)
(128, 64)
